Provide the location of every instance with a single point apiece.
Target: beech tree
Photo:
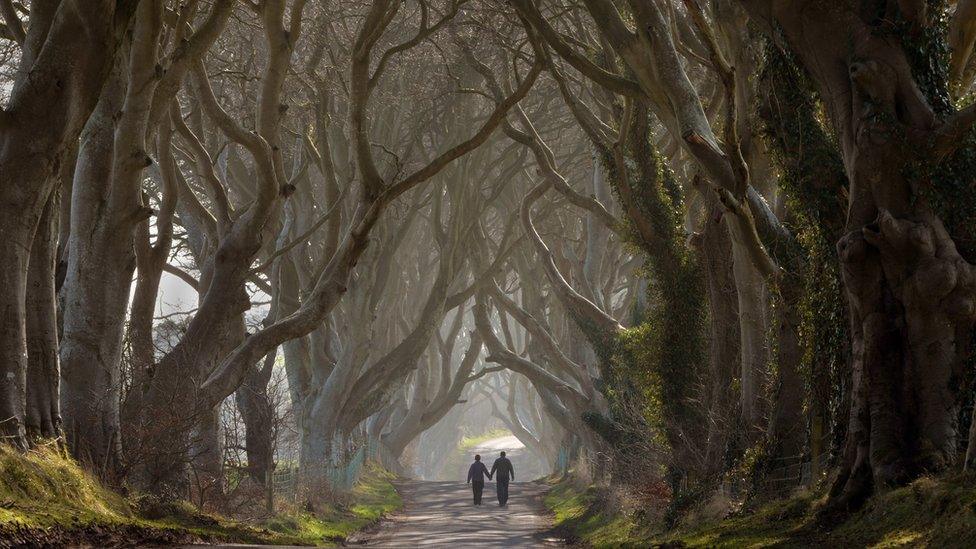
(53, 93)
(678, 242)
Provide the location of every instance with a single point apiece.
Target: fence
(341, 476)
(794, 472)
(562, 461)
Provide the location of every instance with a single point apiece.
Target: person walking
(476, 478)
(503, 467)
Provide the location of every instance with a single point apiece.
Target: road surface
(441, 514)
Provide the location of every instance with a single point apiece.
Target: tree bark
(256, 410)
(43, 371)
(754, 358)
(49, 103)
(715, 248)
(910, 289)
(96, 295)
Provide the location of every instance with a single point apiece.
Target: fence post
(269, 491)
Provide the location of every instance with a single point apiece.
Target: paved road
(441, 514)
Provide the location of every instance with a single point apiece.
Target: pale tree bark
(330, 285)
(49, 104)
(962, 39)
(172, 399)
(533, 438)
(562, 400)
(258, 414)
(754, 356)
(43, 371)
(106, 208)
(151, 258)
(432, 410)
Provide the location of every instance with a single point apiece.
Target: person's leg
(502, 488)
(477, 488)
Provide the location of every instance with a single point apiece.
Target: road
(441, 514)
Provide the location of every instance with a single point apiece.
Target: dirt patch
(92, 535)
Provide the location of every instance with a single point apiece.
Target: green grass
(581, 516)
(930, 512)
(44, 489)
(372, 498)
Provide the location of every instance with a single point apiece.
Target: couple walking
(476, 477)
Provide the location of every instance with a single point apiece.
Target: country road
(441, 514)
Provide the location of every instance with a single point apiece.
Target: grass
(581, 516)
(44, 491)
(930, 512)
(372, 498)
(43, 488)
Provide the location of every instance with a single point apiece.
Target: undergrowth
(930, 512)
(46, 498)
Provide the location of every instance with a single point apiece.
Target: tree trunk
(256, 410)
(49, 103)
(205, 458)
(715, 247)
(96, 294)
(910, 289)
(786, 433)
(43, 410)
(752, 336)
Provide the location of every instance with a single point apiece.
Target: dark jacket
(477, 472)
(504, 468)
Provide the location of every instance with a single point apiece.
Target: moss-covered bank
(47, 499)
(930, 512)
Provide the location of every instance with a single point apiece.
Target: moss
(581, 516)
(44, 490)
(372, 498)
(43, 487)
(653, 368)
(930, 512)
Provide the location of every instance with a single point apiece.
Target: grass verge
(582, 516)
(930, 512)
(372, 498)
(47, 499)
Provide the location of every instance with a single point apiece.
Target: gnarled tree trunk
(49, 103)
(910, 289)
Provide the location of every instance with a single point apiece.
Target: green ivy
(815, 185)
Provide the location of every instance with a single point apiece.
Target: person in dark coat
(503, 467)
(476, 478)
